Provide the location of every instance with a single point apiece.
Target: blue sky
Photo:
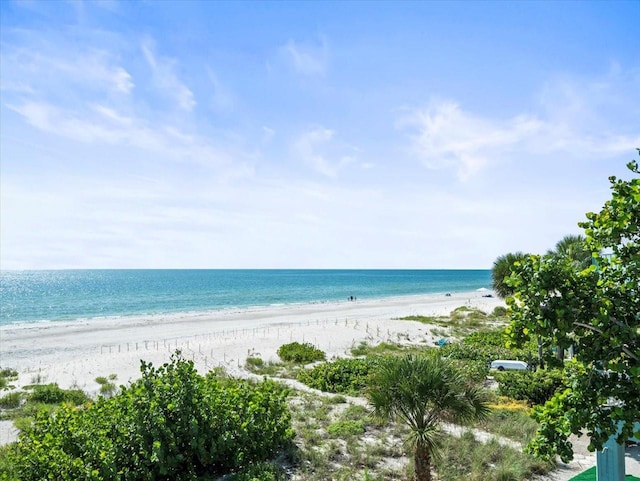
(308, 135)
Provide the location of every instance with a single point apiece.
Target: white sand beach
(73, 354)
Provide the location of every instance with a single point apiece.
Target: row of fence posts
(225, 334)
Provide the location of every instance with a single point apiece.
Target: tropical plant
(574, 248)
(171, 424)
(348, 376)
(502, 268)
(301, 353)
(534, 387)
(423, 392)
(595, 310)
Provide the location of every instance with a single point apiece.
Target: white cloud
(317, 149)
(100, 124)
(307, 59)
(574, 117)
(166, 79)
(444, 136)
(39, 65)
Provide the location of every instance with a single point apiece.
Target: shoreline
(74, 353)
(18, 324)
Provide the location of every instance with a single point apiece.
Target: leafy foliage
(534, 387)
(502, 268)
(574, 248)
(171, 424)
(596, 310)
(301, 353)
(421, 392)
(346, 428)
(476, 351)
(53, 394)
(259, 472)
(347, 376)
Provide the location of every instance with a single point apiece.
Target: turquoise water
(29, 296)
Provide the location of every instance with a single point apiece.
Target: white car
(504, 364)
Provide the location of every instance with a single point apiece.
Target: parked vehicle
(505, 364)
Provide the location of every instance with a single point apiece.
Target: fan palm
(574, 248)
(423, 392)
(502, 268)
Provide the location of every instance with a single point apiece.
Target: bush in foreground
(171, 424)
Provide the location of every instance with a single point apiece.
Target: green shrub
(301, 353)
(11, 400)
(499, 311)
(9, 373)
(337, 399)
(473, 371)
(170, 424)
(487, 346)
(102, 380)
(341, 429)
(534, 387)
(47, 393)
(260, 472)
(256, 362)
(8, 469)
(53, 394)
(108, 389)
(347, 376)
(382, 349)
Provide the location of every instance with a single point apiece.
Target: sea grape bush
(347, 376)
(54, 394)
(172, 424)
(301, 353)
(534, 387)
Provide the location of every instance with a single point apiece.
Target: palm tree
(422, 392)
(574, 248)
(502, 268)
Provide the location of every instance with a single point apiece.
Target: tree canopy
(575, 248)
(596, 310)
(502, 268)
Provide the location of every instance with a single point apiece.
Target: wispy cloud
(317, 149)
(308, 59)
(36, 65)
(445, 136)
(571, 116)
(166, 79)
(100, 124)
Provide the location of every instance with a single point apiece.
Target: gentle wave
(83, 295)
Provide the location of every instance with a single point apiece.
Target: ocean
(54, 295)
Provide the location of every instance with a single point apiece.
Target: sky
(418, 135)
